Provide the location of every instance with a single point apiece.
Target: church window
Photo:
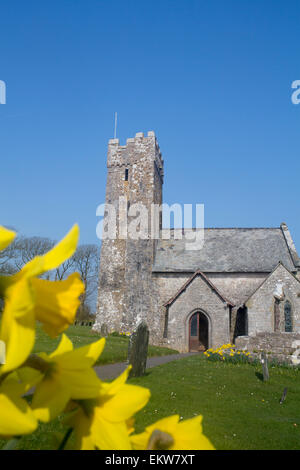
(288, 325)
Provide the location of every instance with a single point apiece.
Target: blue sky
(212, 79)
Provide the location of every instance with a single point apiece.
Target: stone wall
(198, 296)
(261, 304)
(280, 346)
(237, 287)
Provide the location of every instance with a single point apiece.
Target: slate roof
(227, 250)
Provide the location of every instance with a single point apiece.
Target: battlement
(136, 148)
(138, 135)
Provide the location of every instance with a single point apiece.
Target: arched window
(241, 324)
(288, 322)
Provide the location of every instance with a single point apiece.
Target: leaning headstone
(283, 397)
(265, 370)
(104, 329)
(138, 350)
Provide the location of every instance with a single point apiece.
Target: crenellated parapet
(137, 148)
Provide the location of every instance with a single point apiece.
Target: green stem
(33, 361)
(36, 362)
(65, 439)
(3, 376)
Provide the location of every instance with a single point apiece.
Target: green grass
(116, 347)
(239, 410)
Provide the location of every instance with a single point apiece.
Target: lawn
(116, 347)
(239, 410)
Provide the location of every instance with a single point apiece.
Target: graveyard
(116, 348)
(242, 408)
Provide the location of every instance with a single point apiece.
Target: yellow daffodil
(54, 257)
(28, 298)
(60, 297)
(70, 375)
(172, 434)
(103, 423)
(17, 329)
(56, 302)
(16, 417)
(6, 237)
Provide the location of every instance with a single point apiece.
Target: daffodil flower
(28, 298)
(17, 329)
(172, 434)
(70, 376)
(102, 423)
(56, 302)
(16, 416)
(51, 296)
(6, 237)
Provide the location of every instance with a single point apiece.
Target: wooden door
(198, 332)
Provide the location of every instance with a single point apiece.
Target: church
(242, 286)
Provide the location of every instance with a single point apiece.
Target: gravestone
(104, 329)
(283, 397)
(138, 350)
(265, 370)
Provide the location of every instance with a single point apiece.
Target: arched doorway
(198, 332)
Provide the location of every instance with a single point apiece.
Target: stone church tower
(135, 175)
(242, 285)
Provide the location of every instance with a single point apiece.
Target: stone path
(111, 371)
